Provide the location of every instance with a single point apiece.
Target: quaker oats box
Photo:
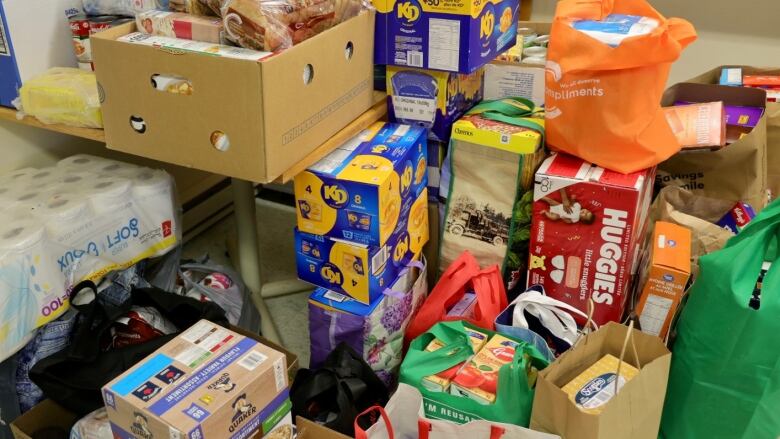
(209, 382)
(587, 224)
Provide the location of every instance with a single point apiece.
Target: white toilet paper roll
(61, 213)
(19, 176)
(75, 183)
(19, 235)
(151, 183)
(118, 169)
(83, 162)
(108, 195)
(25, 203)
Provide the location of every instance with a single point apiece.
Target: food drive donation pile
(525, 248)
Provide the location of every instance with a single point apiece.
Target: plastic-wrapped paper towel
(79, 220)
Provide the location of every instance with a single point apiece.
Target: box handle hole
(220, 141)
(172, 84)
(349, 50)
(308, 74)
(138, 124)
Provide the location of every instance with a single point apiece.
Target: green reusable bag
(725, 375)
(514, 396)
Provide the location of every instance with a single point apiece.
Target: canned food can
(101, 22)
(79, 25)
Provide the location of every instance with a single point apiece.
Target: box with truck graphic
(362, 271)
(357, 192)
(450, 35)
(208, 382)
(587, 224)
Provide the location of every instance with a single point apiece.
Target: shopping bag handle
(400, 294)
(629, 335)
(515, 111)
(362, 434)
(424, 428)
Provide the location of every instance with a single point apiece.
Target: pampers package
(209, 382)
(358, 270)
(587, 224)
(446, 35)
(357, 192)
(79, 220)
(430, 98)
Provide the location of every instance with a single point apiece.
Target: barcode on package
(414, 59)
(334, 296)
(3, 40)
(252, 360)
(379, 259)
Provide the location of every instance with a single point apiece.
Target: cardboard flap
(690, 92)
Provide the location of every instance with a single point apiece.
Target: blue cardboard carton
(452, 35)
(357, 192)
(361, 271)
(430, 98)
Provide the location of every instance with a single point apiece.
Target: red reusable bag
(462, 276)
(604, 103)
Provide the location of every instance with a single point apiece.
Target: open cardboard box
(273, 112)
(51, 416)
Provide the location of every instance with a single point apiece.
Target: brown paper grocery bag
(634, 413)
(736, 172)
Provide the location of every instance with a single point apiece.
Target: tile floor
(275, 224)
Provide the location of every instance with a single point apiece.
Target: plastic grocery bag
(403, 418)
(122, 7)
(514, 392)
(606, 72)
(725, 375)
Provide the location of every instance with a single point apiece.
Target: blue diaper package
(615, 28)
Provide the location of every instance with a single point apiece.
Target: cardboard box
(431, 99)
(358, 192)
(481, 131)
(591, 251)
(208, 382)
(361, 271)
(265, 116)
(504, 79)
(698, 125)
(447, 35)
(596, 385)
(311, 430)
(441, 381)
(34, 36)
(666, 277)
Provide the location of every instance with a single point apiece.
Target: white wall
(730, 32)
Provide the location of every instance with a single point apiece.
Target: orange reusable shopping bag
(603, 102)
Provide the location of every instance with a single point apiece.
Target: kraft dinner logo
(486, 26)
(331, 274)
(409, 12)
(335, 195)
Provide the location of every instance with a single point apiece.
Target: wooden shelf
(86, 133)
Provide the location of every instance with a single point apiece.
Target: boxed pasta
(180, 25)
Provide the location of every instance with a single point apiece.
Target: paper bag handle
(361, 434)
(629, 335)
(424, 428)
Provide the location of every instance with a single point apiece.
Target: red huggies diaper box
(586, 232)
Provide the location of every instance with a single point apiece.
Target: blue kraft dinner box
(361, 271)
(357, 192)
(451, 35)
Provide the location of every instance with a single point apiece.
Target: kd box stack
(363, 211)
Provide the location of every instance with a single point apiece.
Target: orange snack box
(698, 125)
(666, 278)
(478, 380)
(441, 381)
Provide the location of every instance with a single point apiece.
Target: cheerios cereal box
(475, 128)
(357, 193)
(358, 270)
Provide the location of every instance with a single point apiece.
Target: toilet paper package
(78, 220)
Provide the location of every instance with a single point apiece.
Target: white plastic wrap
(79, 220)
(122, 7)
(93, 426)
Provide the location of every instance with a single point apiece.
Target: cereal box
(665, 278)
(358, 270)
(585, 233)
(450, 35)
(208, 382)
(357, 192)
(480, 130)
(441, 381)
(596, 385)
(478, 379)
(430, 98)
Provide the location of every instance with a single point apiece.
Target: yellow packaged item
(596, 386)
(63, 95)
(441, 381)
(478, 380)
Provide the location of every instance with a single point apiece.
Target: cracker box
(594, 387)
(585, 233)
(666, 278)
(430, 98)
(357, 192)
(455, 36)
(441, 381)
(478, 379)
(208, 382)
(737, 218)
(358, 270)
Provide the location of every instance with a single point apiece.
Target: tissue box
(447, 35)
(361, 271)
(357, 193)
(430, 98)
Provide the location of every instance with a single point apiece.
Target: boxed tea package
(585, 235)
(358, 270)
(209, 382)
(448, 35)
(357, 193)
